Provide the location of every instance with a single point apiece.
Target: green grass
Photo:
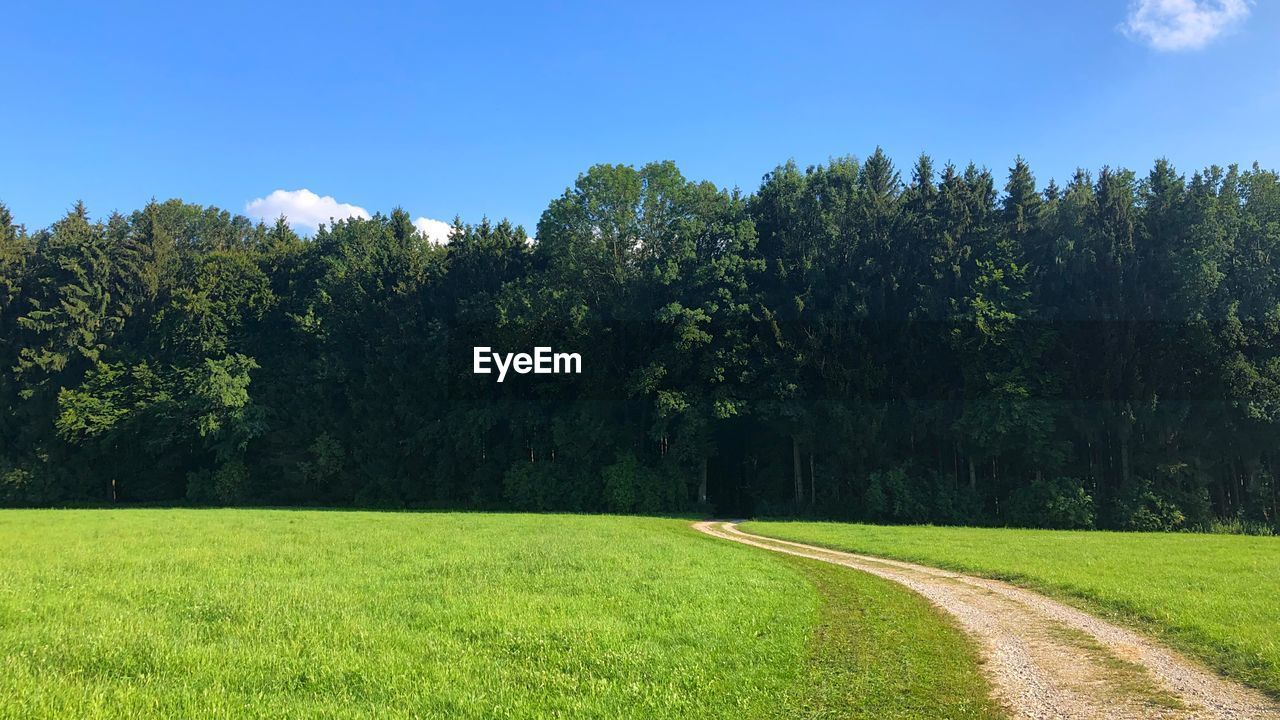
(882, 652)
(1215, 596)
(277, 613)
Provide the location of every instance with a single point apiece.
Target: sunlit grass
(343, 614)
(277, 613)
(1217, 596)
(881, 652)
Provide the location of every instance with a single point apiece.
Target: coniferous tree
(844, 342)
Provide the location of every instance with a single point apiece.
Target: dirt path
(1046, 659)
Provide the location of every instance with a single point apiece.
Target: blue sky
(476, 110)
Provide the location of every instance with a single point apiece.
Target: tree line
(846, 342)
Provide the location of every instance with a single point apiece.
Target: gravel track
(1046, 659)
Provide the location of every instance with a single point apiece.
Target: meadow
(280, 613)
(1214, 596)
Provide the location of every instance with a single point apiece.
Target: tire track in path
(1046, 659)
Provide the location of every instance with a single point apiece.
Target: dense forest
(850, 341)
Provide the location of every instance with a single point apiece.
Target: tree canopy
(850, 341)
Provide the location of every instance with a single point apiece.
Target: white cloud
(437, 231)
(307, 210)
(1182, 24)
(303, 208)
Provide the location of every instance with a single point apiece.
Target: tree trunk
(1125, 471)
(702, 483)
(1101, 471)
(1243, 484)
(1275, 501)
(1093, 476)
(1275, 493)
(795, 465)
(973, 476)
(813, 482)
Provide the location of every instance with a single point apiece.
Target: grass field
(880, 653)
(243, 613)
(1215, 596)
